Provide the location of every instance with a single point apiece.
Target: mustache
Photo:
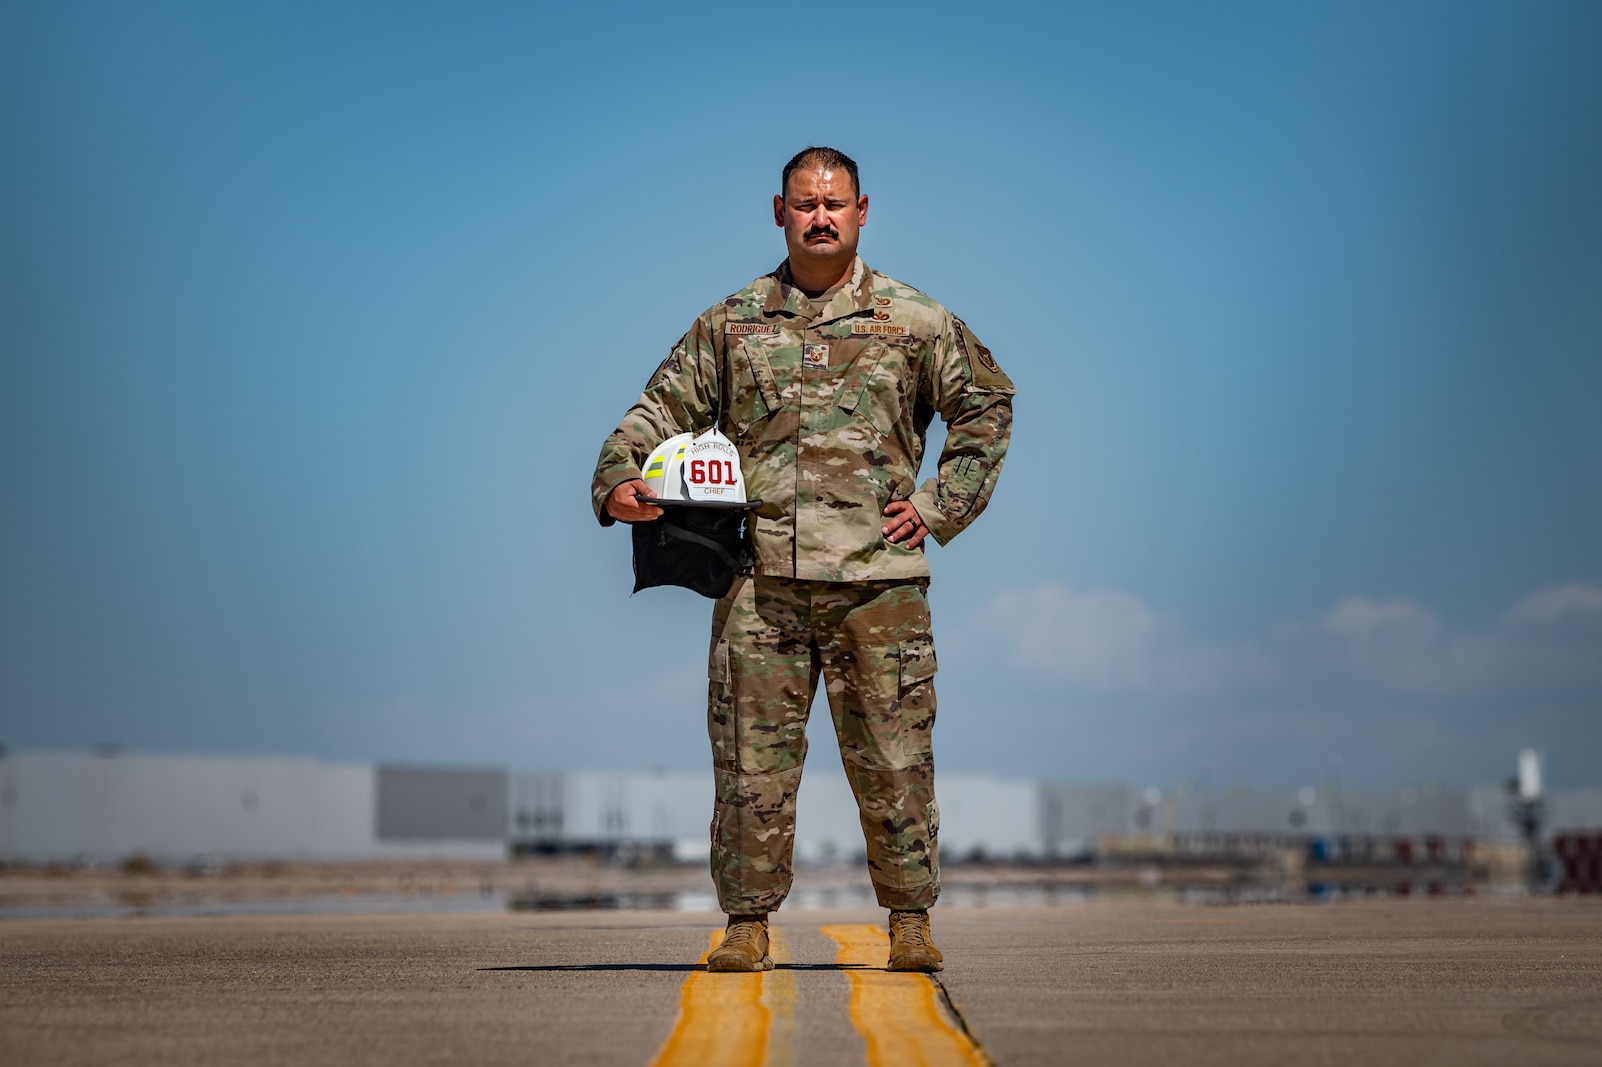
(822, 231)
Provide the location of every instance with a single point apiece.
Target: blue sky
(312, 319)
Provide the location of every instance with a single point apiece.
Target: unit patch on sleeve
(815, 355)
(986, 373)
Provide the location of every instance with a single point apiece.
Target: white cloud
(1101, 639)
(1558, 603)
(1555, 633)
(1112, 640)
(1362, 619)
(1391, 643)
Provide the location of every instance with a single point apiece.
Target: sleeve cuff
(603, 486)
(941, 528)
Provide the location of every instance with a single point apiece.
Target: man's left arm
(974, 398)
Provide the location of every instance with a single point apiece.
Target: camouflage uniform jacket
(830, 417)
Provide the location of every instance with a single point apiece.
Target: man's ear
(778, 210)
(862, 210)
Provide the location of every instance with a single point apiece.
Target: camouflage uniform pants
(771, 640)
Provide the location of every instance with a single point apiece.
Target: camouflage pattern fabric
(772, 638)
(830, 408)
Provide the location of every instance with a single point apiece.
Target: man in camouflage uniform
(826, 375)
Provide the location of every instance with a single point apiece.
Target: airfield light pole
(1528, 812)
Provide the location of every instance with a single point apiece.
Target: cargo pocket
(720, 705)
(917, 659)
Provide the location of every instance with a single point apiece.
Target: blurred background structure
(103, 807)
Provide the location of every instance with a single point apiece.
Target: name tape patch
(740, 328)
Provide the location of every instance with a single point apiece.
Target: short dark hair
(820, 158)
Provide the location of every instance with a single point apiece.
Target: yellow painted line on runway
(897, 1013)
(778, 993)
(730, 1020)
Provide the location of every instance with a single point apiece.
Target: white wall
(826, 826)
(999, 817)
(976, 811)
(1574, 809)
(63, 806)
(68, 806)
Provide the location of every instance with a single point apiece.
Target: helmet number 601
(712, 472)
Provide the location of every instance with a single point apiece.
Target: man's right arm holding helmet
(682, 396)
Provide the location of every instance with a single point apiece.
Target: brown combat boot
(745, 946)
(910, 946)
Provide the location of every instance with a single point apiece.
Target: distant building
(107, 806)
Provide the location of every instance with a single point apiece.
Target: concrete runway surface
(1405, 981)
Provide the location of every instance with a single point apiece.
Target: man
(826, 375)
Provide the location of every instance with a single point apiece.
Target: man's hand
(627, 503)
(903, 524)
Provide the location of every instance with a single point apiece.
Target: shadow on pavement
(685, 967)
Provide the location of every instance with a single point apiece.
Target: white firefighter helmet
(669, 452)
(696, 470)
(704, 538)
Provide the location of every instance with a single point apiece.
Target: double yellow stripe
(734, 1020)
(897, 1013)
(748, 1020)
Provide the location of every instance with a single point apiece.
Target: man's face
(822, 215)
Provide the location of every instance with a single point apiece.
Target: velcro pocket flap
(863, 368)
(717, 664)
(917, 661)
(754, 357)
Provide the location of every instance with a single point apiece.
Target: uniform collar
(852, 297)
